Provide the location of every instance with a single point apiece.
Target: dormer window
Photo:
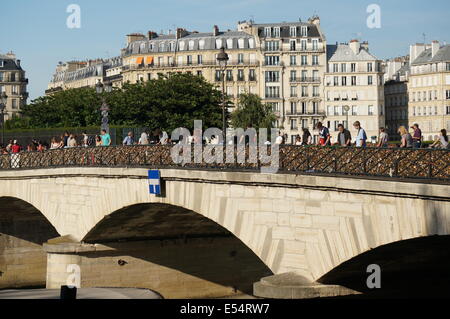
(276, 32)
(201, 44)
(293, 32)
(268, 32)
(304, 31)
(2, 63)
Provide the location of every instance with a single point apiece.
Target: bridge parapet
(429, 164)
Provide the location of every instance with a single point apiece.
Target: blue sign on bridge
(154, 181)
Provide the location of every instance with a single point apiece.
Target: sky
(36, 30)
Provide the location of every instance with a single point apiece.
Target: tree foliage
(167, 102)
(251, 111)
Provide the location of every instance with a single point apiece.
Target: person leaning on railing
(442, 141)
(407, 140)
(344, 136)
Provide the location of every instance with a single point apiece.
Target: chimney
(435, 46)
(135, 37)
(18, 63)
(355, 46)
(216, 31)
(365, 45)
(181, 33)
(415, 50)
(152, 35)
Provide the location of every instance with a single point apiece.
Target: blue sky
(36, 29)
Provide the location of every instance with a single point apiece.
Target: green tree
(167, 102)
(251, 110)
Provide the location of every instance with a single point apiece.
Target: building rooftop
(9, 63)
(343, 53)
(426, 56)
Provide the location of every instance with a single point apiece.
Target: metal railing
(428, 164)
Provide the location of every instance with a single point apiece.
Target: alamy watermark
(374, 279)
(374, 19)
(238, 143)
(74, 19)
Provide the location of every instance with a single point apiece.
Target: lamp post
(3, 100)
(222, 58)
(104, 109)
(346, 109)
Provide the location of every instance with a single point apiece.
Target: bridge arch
(23, 230)
(170, 249)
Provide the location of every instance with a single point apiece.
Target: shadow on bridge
(172, 250)
(414, 268)
(23, 230)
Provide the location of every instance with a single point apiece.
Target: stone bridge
(212, 233)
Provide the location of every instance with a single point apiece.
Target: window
(293, 76)
(447, 94)
(304, 76)
(293, 60)
(272, 45)
(369, 80)
(293, 124)
(2, 63)
(272, 91)
(353, 67)
(369, 67)
(1, 76)
(218, 76)
(343, 67)
(14, 103)
(240, 58)
(268, 32)
(199, 59)
(229, 75)
(353, 80)
(13, 77)
(293, 91)
(315, 107)
(240, 75)
(191, 45)
(315, 60)
(336, 110)
(199, 73)
(293, 107)
(189, 59)
(276, 32)
(229, 43)
(447, 109)
(303, 44)
(335, 68)
(229, 91)
(344, 81)
(272, 76)
(336, 81)
(293, 32)
(272, 60)
(304, 91)
(304, 60)
(304, 31)
(316, 76)
(304, 123)
(315, 44)
(304, 107)
(370, 110)
(354, 110)
(14, 90)
(292, 45)
(251, 75)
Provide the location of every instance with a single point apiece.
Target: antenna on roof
(424, 38)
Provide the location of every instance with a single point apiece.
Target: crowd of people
(344, 137)
(412, 139)
(69, 140)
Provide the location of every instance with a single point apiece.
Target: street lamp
(222, 58)
(346, 109)
(104, 109)
(3, 100)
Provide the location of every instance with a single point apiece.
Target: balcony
(304, 80)
(15, 80)
(187, 64)
(300, 113)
